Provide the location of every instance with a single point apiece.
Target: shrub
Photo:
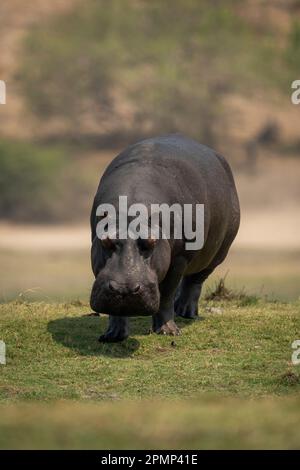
(169, 62)
(28, 181)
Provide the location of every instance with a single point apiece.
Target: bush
(28, 181)
(170, 63)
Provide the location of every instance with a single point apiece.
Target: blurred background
(86, 78)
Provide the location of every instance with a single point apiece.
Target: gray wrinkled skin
(164, 280)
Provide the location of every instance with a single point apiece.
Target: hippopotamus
(160, 277)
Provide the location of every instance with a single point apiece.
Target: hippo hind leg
(189, 290)
(117, 330)
(187, 296)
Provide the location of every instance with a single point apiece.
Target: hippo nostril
(136, 289)
(123, 289)
(113, 286)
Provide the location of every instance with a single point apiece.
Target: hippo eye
(108, 243)
(147, 244)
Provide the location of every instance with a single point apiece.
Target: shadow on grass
(81, 335)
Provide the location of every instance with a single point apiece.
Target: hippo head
(128, 273)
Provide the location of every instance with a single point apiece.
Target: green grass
(53, 353)
(195, 424)
(223, 383)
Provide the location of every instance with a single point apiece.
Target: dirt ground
(53, 262)
(263, 229)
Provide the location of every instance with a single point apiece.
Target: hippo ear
(151, 242)
(107, 243)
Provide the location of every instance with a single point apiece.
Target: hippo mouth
(143, 303)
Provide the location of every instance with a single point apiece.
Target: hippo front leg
(163, 321)
(118, 330)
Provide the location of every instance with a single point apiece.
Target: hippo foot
(168, 328)
(111, 337)
(187, 310)
(117, 330)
